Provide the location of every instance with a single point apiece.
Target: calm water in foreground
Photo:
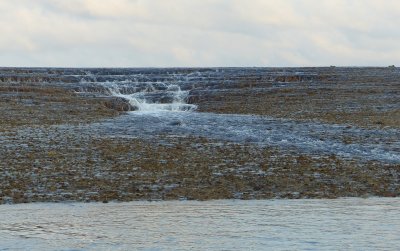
(342, 224)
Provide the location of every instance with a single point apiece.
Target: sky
(199, 33)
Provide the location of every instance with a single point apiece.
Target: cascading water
(152, 97)
(145, 91)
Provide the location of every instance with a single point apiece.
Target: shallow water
(305, 137)
(341, 224)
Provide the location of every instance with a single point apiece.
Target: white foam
(141, 101)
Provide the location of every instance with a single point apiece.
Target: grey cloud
(199, 32)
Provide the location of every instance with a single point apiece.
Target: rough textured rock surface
(119, 104)
(48, 151)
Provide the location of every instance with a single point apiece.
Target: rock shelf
(65, 138)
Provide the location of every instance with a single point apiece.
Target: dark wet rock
(176, 123)
(119, 104)
(166, 99)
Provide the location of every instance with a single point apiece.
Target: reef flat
(209, 133)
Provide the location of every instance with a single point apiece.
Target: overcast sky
(167, 33)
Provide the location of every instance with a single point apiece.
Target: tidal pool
(339, 224)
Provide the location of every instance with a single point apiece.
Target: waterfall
(148, 97)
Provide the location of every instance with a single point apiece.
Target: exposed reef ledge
(42, 162)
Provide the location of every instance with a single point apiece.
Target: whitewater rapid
(152, 98)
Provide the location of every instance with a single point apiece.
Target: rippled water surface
(310, 138)
(342, 224)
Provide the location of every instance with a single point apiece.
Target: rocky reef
(62, 138)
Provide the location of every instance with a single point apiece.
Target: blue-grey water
(340, 224)
(307, 137)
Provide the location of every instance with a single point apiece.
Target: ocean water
(340, 224)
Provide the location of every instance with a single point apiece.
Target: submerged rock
(176, 123)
